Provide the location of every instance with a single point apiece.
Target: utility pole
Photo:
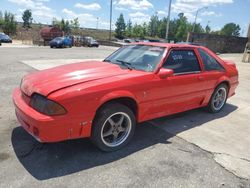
(110, 24)
(168, 19)
(196, 17)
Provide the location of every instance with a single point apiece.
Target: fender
(115, 95)
(118, 95)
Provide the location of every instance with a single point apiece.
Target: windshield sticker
(177, 57)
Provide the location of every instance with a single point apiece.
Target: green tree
(75, 25)
(231, 29)
(145, 29)
(27, 18)
(162, 28)
(153, 25)
(1, 20)
(207, 29)
(198, 28)
(182, 28)
(9, 23)
(65, 26)
(172, 29)
(55, 23)
(120, 27)
(138, 31)
(129, 28)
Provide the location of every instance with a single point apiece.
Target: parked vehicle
(154, 40)
(104, 100)
(93, 43)
(90, 42)
(61, 42)
(127, 40)
(5, 38)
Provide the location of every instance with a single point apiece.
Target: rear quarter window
(209, 62)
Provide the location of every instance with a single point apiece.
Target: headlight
(46, 106)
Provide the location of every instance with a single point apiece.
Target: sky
(95, 13)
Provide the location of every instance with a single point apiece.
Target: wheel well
(127, 101)
(225, 82)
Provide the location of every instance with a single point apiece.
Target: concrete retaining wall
(219, 43)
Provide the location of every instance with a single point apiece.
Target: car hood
(50, 80)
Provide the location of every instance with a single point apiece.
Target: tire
(223, 90)
(113, 127)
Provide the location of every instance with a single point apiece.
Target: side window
(209, 62)
(182, 61)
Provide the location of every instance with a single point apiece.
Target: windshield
(139, 57)
(3, 36)
(58, 39)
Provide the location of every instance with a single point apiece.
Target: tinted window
(182, 61)
(209, 62)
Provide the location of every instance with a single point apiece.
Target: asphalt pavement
(191, 149)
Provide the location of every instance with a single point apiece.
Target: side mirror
(164, 73)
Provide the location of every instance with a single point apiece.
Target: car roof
(166, 45)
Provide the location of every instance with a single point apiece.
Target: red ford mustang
(104, 100)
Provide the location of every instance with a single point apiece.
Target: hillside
(34, 33)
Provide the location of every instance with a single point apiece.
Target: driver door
(184, 90)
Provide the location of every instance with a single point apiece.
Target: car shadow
(45, 161)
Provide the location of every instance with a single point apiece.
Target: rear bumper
(45, 128)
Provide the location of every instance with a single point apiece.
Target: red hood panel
(47, 81)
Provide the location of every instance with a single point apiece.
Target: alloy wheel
(219, 98)
(116, 129)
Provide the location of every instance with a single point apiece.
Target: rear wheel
(113, 127)
(218, 99)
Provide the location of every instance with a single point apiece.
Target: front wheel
(113, 127)
(218, 99)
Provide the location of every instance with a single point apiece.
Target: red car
(104, 100)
